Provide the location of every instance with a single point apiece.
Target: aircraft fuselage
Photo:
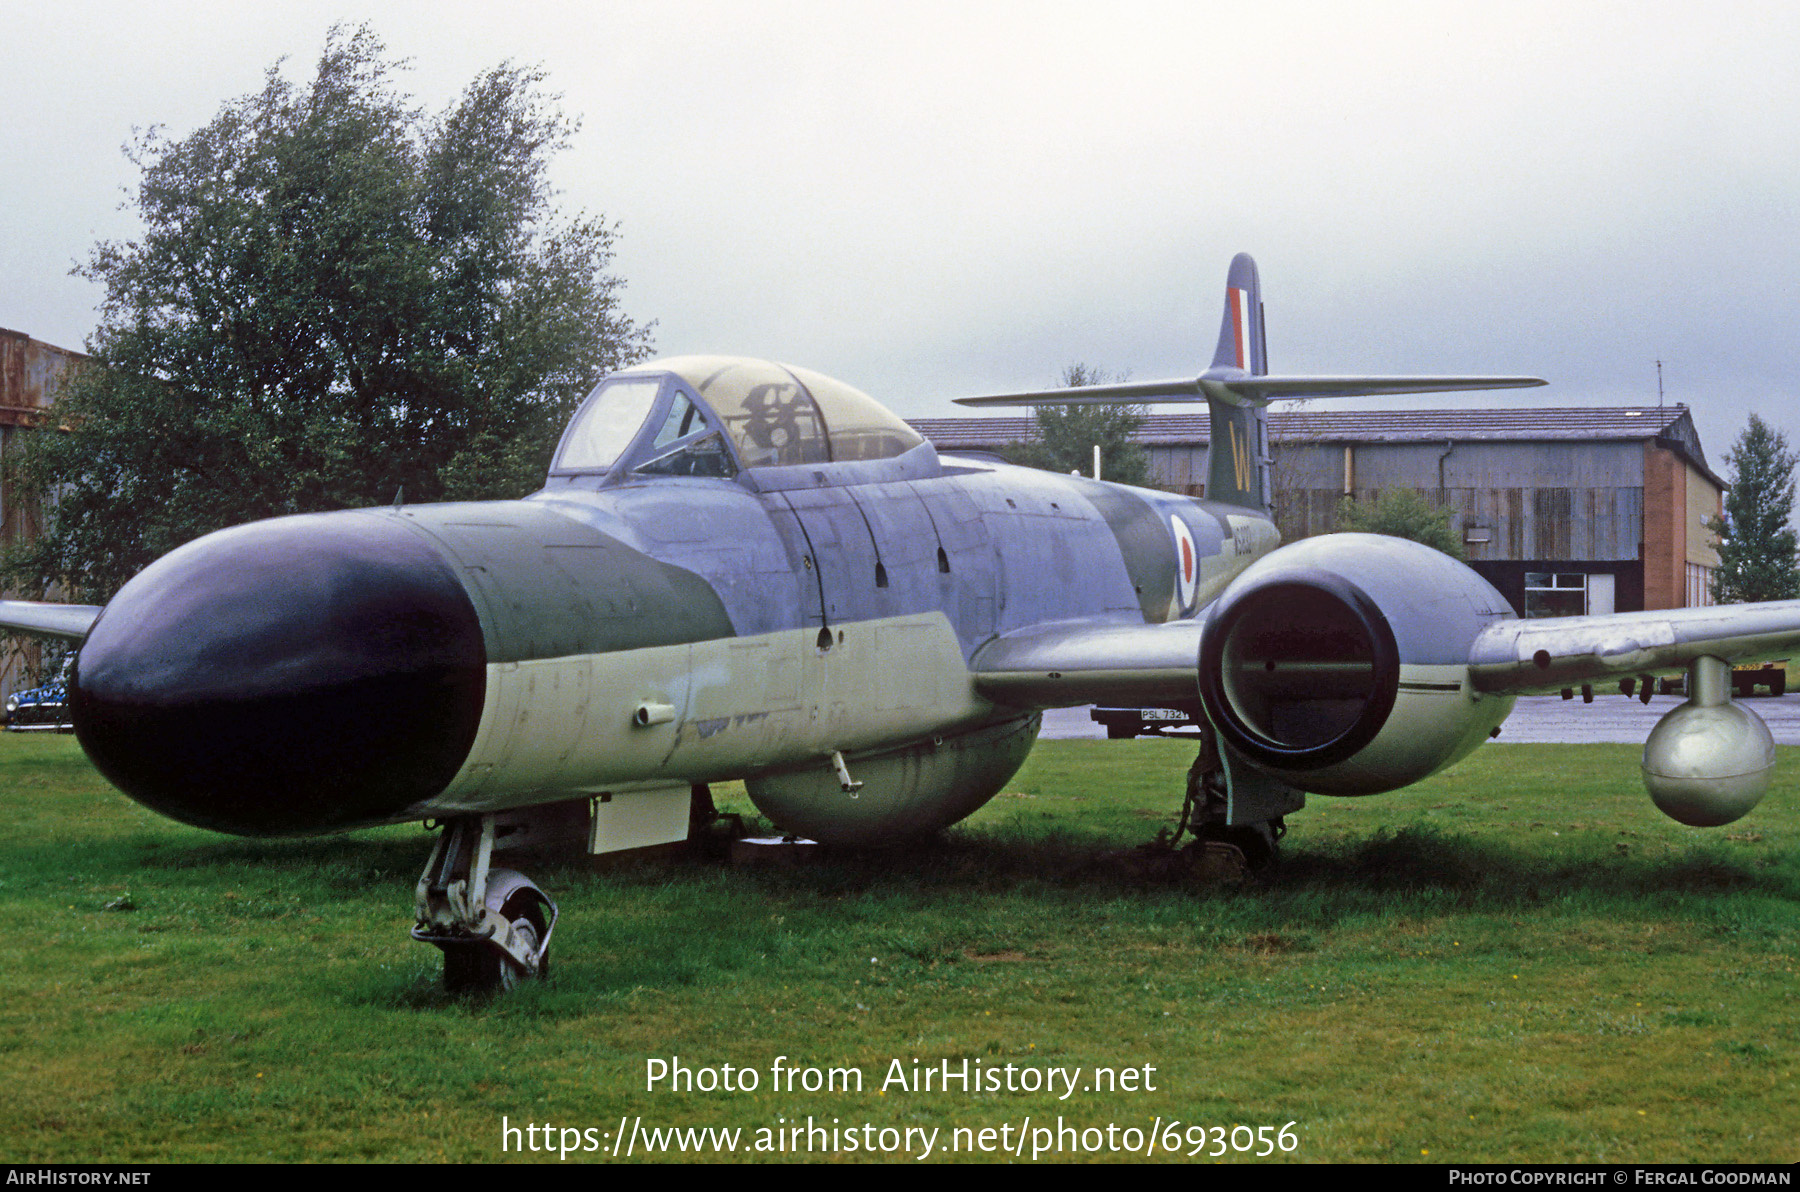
(608, 639)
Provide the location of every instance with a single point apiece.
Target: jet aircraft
(745, 570)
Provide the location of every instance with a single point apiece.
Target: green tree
(1756, 543)
(336, 297)
(1064, 436)
(1402, 513)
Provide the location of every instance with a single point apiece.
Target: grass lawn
(1518, 961)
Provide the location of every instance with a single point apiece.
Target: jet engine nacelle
(1339, 664)
(900, 794)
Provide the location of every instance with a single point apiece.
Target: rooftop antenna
(1659, 397)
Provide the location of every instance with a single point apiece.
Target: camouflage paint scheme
(810, 610)
(747, 570)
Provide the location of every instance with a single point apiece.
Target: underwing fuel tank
(1709, 760)
(899, 795)
(1339, 664)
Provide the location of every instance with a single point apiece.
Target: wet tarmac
(1538, 720)
(1542, 719)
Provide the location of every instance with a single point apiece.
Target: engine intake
(1301, 670)
(1339, 664)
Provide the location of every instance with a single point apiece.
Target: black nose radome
(289, 676)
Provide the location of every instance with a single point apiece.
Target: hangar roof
(1671, 424)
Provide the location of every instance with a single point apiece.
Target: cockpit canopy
(715, 415)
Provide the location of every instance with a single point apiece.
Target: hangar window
(1555, 594)
(1699, 586)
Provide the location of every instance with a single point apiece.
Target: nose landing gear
(493, 925)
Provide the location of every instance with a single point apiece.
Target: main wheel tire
(1260, 856)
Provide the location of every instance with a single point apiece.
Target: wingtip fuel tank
(1709, 760)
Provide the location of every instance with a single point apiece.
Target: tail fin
(1237, 471)
(1238, 386)
(1241, 343)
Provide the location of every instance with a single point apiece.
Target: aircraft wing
(1066, 663)
(1545, 655)
(1244, 387)
(68, 621)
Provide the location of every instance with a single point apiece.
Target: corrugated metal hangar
(1590, 510)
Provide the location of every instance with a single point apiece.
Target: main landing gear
(493, 925)
(1219, 848)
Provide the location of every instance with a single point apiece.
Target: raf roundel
(1187, 564)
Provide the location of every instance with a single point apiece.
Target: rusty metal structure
(1566, 511)
(31, 372)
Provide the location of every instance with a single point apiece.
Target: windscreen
(608, 423)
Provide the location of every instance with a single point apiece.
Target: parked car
(42, 709)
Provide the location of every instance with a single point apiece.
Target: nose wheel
(493, 925)
(481, 969)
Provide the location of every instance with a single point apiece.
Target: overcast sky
(930, 201)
